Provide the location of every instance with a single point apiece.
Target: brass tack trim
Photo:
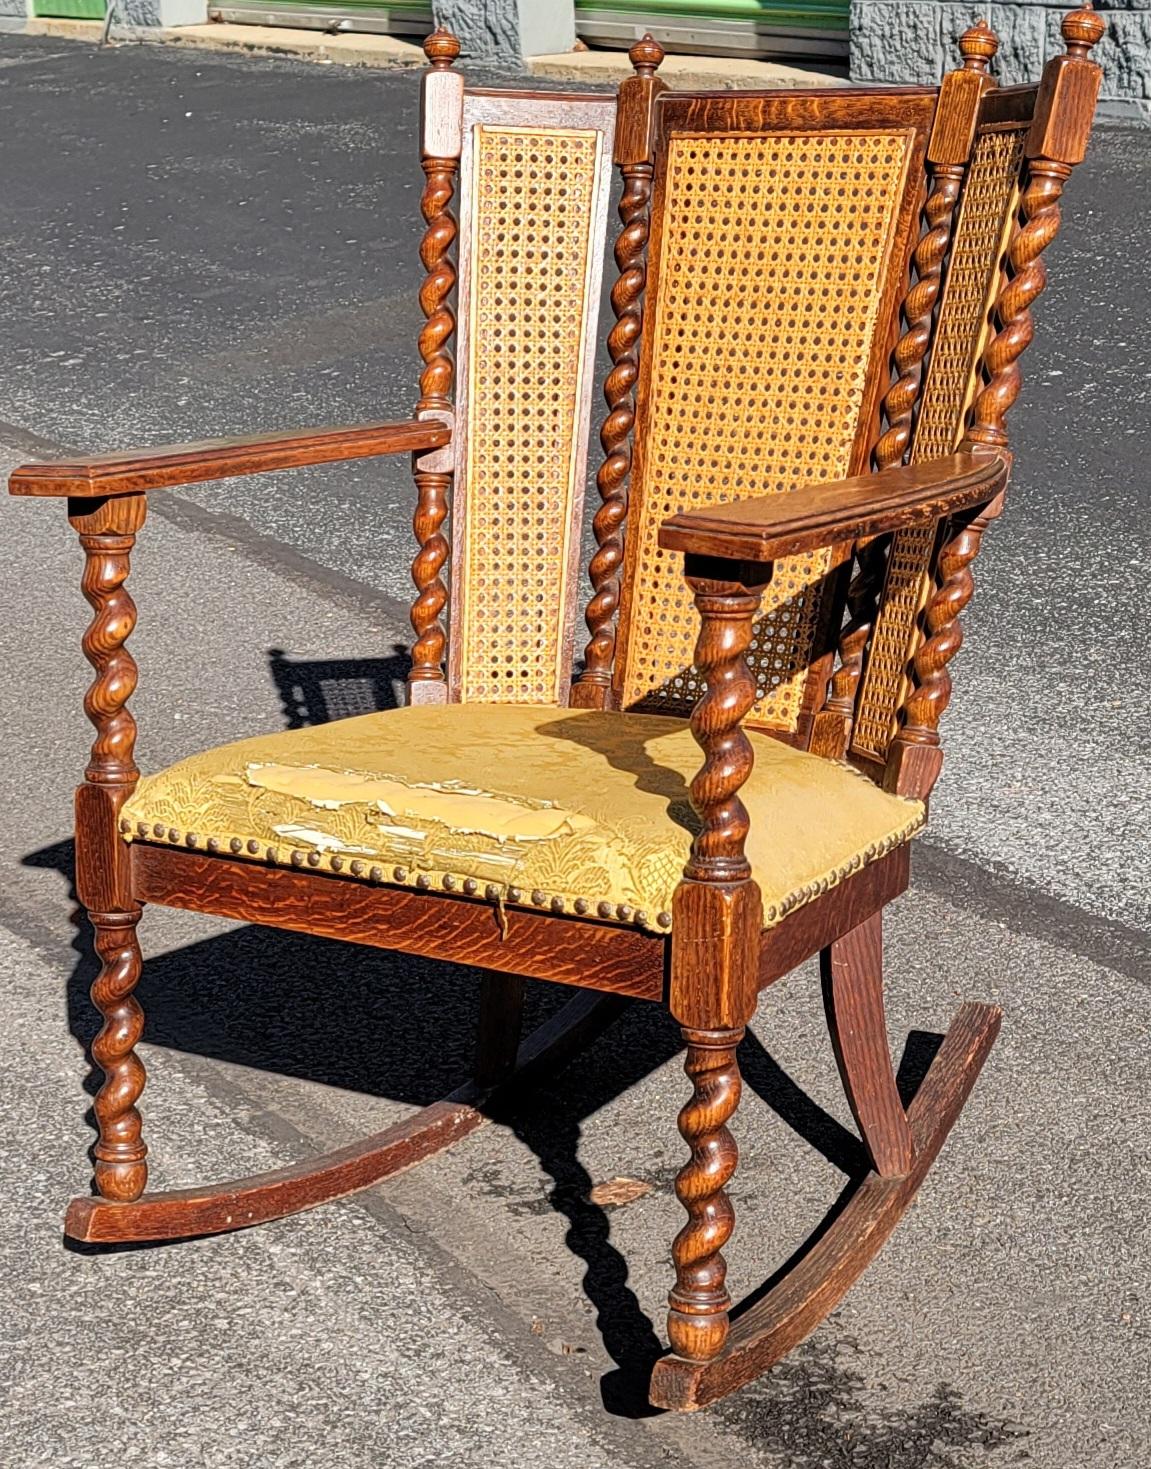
(558, 903)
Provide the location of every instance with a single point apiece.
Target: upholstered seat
(579, 811)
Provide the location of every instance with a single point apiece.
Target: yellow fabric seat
(577, 811)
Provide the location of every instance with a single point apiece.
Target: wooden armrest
(129, 472)
(867, 505)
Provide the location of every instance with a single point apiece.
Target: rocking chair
(821, 304)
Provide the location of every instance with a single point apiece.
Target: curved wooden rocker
(219, 1208)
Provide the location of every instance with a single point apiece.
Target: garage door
(412, 20)
(720, 27)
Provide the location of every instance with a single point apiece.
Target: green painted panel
(70, 9)
(405, 15)
(780, 13)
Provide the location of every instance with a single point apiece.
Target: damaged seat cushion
(578, 811)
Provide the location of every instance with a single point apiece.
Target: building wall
(915, 41)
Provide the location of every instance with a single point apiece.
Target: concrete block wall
(508, 30)
(161, 12)
(914, 41)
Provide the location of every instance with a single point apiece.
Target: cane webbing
(772, 265)
(530, 308)
(981, 234)
(985, 212)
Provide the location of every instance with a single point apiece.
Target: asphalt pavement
(197, 244)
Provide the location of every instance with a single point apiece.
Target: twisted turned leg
(107, 530)
(697, 1324)
(717, 914)
(121, 1172)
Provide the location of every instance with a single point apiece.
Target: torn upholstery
(581, 811)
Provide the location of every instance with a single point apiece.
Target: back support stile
(440, 143)
(634, 143)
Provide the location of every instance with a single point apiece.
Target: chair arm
(129, 472)
(773, 526)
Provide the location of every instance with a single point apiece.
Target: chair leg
(767, 1326)
(121, 1172)
(852, 969)
(500, 1024)
(697, 1323)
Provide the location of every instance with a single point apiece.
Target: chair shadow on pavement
(356, 1018)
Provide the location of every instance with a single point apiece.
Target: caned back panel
(986, 216)
(782, 229)
(535, 176)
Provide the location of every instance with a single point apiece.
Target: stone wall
(914, 41)
(508, 30)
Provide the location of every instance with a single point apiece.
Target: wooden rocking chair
(821, 305)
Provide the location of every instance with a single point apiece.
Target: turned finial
(1082, 29)
(441, 48)
(978, 45)
(646, 55)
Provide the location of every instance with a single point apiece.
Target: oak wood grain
(128, 472)
(772, 526)
(818, 923)
(567, 950)
(852, 971)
